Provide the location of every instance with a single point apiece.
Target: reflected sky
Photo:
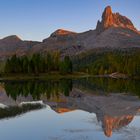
(70, 110)
(46, 124)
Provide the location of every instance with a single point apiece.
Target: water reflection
(37, 88)
(110, 123)
(115, 102)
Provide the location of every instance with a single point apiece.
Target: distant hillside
(14, 45)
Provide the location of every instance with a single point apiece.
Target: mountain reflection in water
(115, 102)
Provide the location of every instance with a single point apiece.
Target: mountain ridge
(113, 31)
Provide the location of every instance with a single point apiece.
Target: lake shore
(43, 76)
(57, 76)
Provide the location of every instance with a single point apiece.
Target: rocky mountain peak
(110, 19)
(61, 32)
(107, 17)
(12, 38)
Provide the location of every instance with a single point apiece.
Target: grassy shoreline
(43, 76)
(57, 76)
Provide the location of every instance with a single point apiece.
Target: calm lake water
(83, 109)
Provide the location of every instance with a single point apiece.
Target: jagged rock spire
(110, 19)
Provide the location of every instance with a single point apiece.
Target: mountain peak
(110, 19)
(107, 11)
(107, 17)
(12, 38)
(61, 32)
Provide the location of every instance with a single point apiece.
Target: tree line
(122, 61)
(125, 61)
(38, 63)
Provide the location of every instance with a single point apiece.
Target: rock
(110, 19)
(62, 32)
(107, 17)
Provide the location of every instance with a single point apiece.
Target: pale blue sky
(37, 19)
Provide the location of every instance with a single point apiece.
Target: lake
(70, 109)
